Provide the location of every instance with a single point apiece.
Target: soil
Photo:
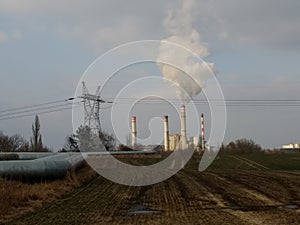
(190, 197)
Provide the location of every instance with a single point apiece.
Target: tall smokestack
(166, 133)
(133, 134)
(183, 128)
(202, 132)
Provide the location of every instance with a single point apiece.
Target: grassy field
(280, 161)
(236, 189)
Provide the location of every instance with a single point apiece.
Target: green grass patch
(257, 161)
(251, 161)
(279, 161)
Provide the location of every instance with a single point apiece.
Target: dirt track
(190, 197)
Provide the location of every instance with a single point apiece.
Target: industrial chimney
(166, 133)
(133, 134)
(202, 132)
(183, 139)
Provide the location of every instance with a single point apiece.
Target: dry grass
(17, 198)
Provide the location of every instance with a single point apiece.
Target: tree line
(17, 143)
(85, 139)
(241, 146)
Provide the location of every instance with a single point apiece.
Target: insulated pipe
(29, 155)
(202, 132)
(166, 133)
(48, 167)
(37, 166)
(134, 132)
(183, 128)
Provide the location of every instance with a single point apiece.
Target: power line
(37, 109)
(229, 103)
(33, 110)
(212, 99)
(32, 106)
(43, 112)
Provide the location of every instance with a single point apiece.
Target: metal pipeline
(37, 166)
(51, 166)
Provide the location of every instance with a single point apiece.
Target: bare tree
(71, 144)
(15, 143)
(5, 143)
(19, 144)
(36, 140)
(108, 140)
(87, 140)
(242, 146)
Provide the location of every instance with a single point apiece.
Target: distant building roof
(291, 146)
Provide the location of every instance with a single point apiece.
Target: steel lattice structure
(92, 108)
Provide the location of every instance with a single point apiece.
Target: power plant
(173, 141)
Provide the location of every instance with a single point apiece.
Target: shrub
(241, 146)
(9, 157)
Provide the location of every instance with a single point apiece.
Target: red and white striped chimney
(134, 132)
(202, 131)
(166, 133)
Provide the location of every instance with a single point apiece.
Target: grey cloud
(268, 23)
(98, 23)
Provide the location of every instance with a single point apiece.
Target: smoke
(178, 24)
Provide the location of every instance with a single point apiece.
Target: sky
(46, 46)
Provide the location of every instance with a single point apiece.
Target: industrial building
(174, 141)
(292, 147)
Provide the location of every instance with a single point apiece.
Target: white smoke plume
(179, 26)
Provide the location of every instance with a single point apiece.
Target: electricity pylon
(92, 108)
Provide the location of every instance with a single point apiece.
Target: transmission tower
(92, 108)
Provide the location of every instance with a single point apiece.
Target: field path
(250, 163)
